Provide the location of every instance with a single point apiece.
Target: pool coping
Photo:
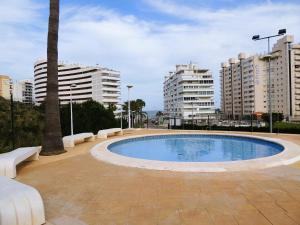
(289, 155)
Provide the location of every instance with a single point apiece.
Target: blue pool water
(195, 148)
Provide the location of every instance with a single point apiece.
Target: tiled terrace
(78, 189)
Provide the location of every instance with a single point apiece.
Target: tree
(112, 107)
(52, 140)
(159, 114)
(275, 117)
(139, 105)
(136, 107)
(89, 116)
(28, 126)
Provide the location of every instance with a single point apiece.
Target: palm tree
(52, 140)
(140, 104)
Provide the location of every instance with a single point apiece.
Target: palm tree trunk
(52, 140)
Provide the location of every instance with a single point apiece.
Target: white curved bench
(105, 133)
(9, 160)
(20, 204)
(70, 141)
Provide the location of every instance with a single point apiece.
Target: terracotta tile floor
(77, 189)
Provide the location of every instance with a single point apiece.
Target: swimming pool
(216, 152)
(195, 148)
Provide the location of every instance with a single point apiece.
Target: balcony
(110, 88)
(110, 95)
(111, 83)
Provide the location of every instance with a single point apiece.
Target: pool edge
(289, 155)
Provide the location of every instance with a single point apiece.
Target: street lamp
(268, 57)
(193, 115)
(10, 83)
(121, 117)
(71, 106)
(232, 62)
(129, 118)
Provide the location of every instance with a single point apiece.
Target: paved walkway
(78, 189)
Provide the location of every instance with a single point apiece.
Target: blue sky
(143, 39)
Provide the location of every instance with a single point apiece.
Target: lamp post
(121, 117)
(268, 57)
(224, 66)
(129, 118)
(242, 56)
(251, 122)
(193, 115)
(232, 62)
(10, 83)
(208, 122)
(71, 106)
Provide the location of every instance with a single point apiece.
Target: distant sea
(152, 113)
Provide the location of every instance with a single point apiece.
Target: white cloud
(22, 36)
(144, 50)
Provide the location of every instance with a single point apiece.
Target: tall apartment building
(246, 94)
(285, 78)
(244, 82)
(189, 93)
(23, 91)
(5, 86)
(92, 82)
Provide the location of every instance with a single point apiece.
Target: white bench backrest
(70, 141)
(20, 154)
(9, 160)
(108, 131)
(20, 203)
(79, 136)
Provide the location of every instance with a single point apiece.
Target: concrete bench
(9, 160)
(105, 133)
(70, 141)
(20, 204)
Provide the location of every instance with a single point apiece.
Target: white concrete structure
(244, 82)
(23, 91)
(111, 131)
(10, 160)
(189, 93)
(20, 204)
(92, 82)
(71, 140)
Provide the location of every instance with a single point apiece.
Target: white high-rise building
(189, 93)
(243, 95)
(23, 91)
(244, 82)
(91, 82)
(285, 78)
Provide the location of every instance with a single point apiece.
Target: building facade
(244, 83)
(23, 91)
(5, 86)
(89, 82)
(285, 78)
(189, 93)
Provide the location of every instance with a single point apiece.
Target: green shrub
(89, 116)
(281, 127)
(285, 127)
(28, 125)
